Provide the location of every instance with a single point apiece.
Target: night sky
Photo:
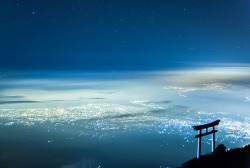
(122, 34)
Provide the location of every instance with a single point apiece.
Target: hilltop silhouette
(220, 158)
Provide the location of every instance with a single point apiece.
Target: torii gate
(205, 126)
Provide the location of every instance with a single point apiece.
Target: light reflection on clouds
(160, 102)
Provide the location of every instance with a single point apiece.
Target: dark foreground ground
(234, 158)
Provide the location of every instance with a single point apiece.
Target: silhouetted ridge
(234, 158)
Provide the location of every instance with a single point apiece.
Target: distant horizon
(176, 66)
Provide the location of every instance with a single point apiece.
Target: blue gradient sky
(122, 35)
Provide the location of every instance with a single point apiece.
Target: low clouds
(203, 81)
(11, 97)
(202, 87)
(17, 102)
(4, 100)
(96, 98)
(15, 99)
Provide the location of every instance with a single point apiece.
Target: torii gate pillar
(205, 126)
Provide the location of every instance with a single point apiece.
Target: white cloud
(247, 99)
(202, 87)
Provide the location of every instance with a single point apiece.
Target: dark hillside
(234, 158)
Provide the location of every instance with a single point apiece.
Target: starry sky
(122, 34)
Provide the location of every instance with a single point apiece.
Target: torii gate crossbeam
(205, 126)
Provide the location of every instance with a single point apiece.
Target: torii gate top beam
(212, 124)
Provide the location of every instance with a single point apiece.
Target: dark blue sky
(122, 34)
